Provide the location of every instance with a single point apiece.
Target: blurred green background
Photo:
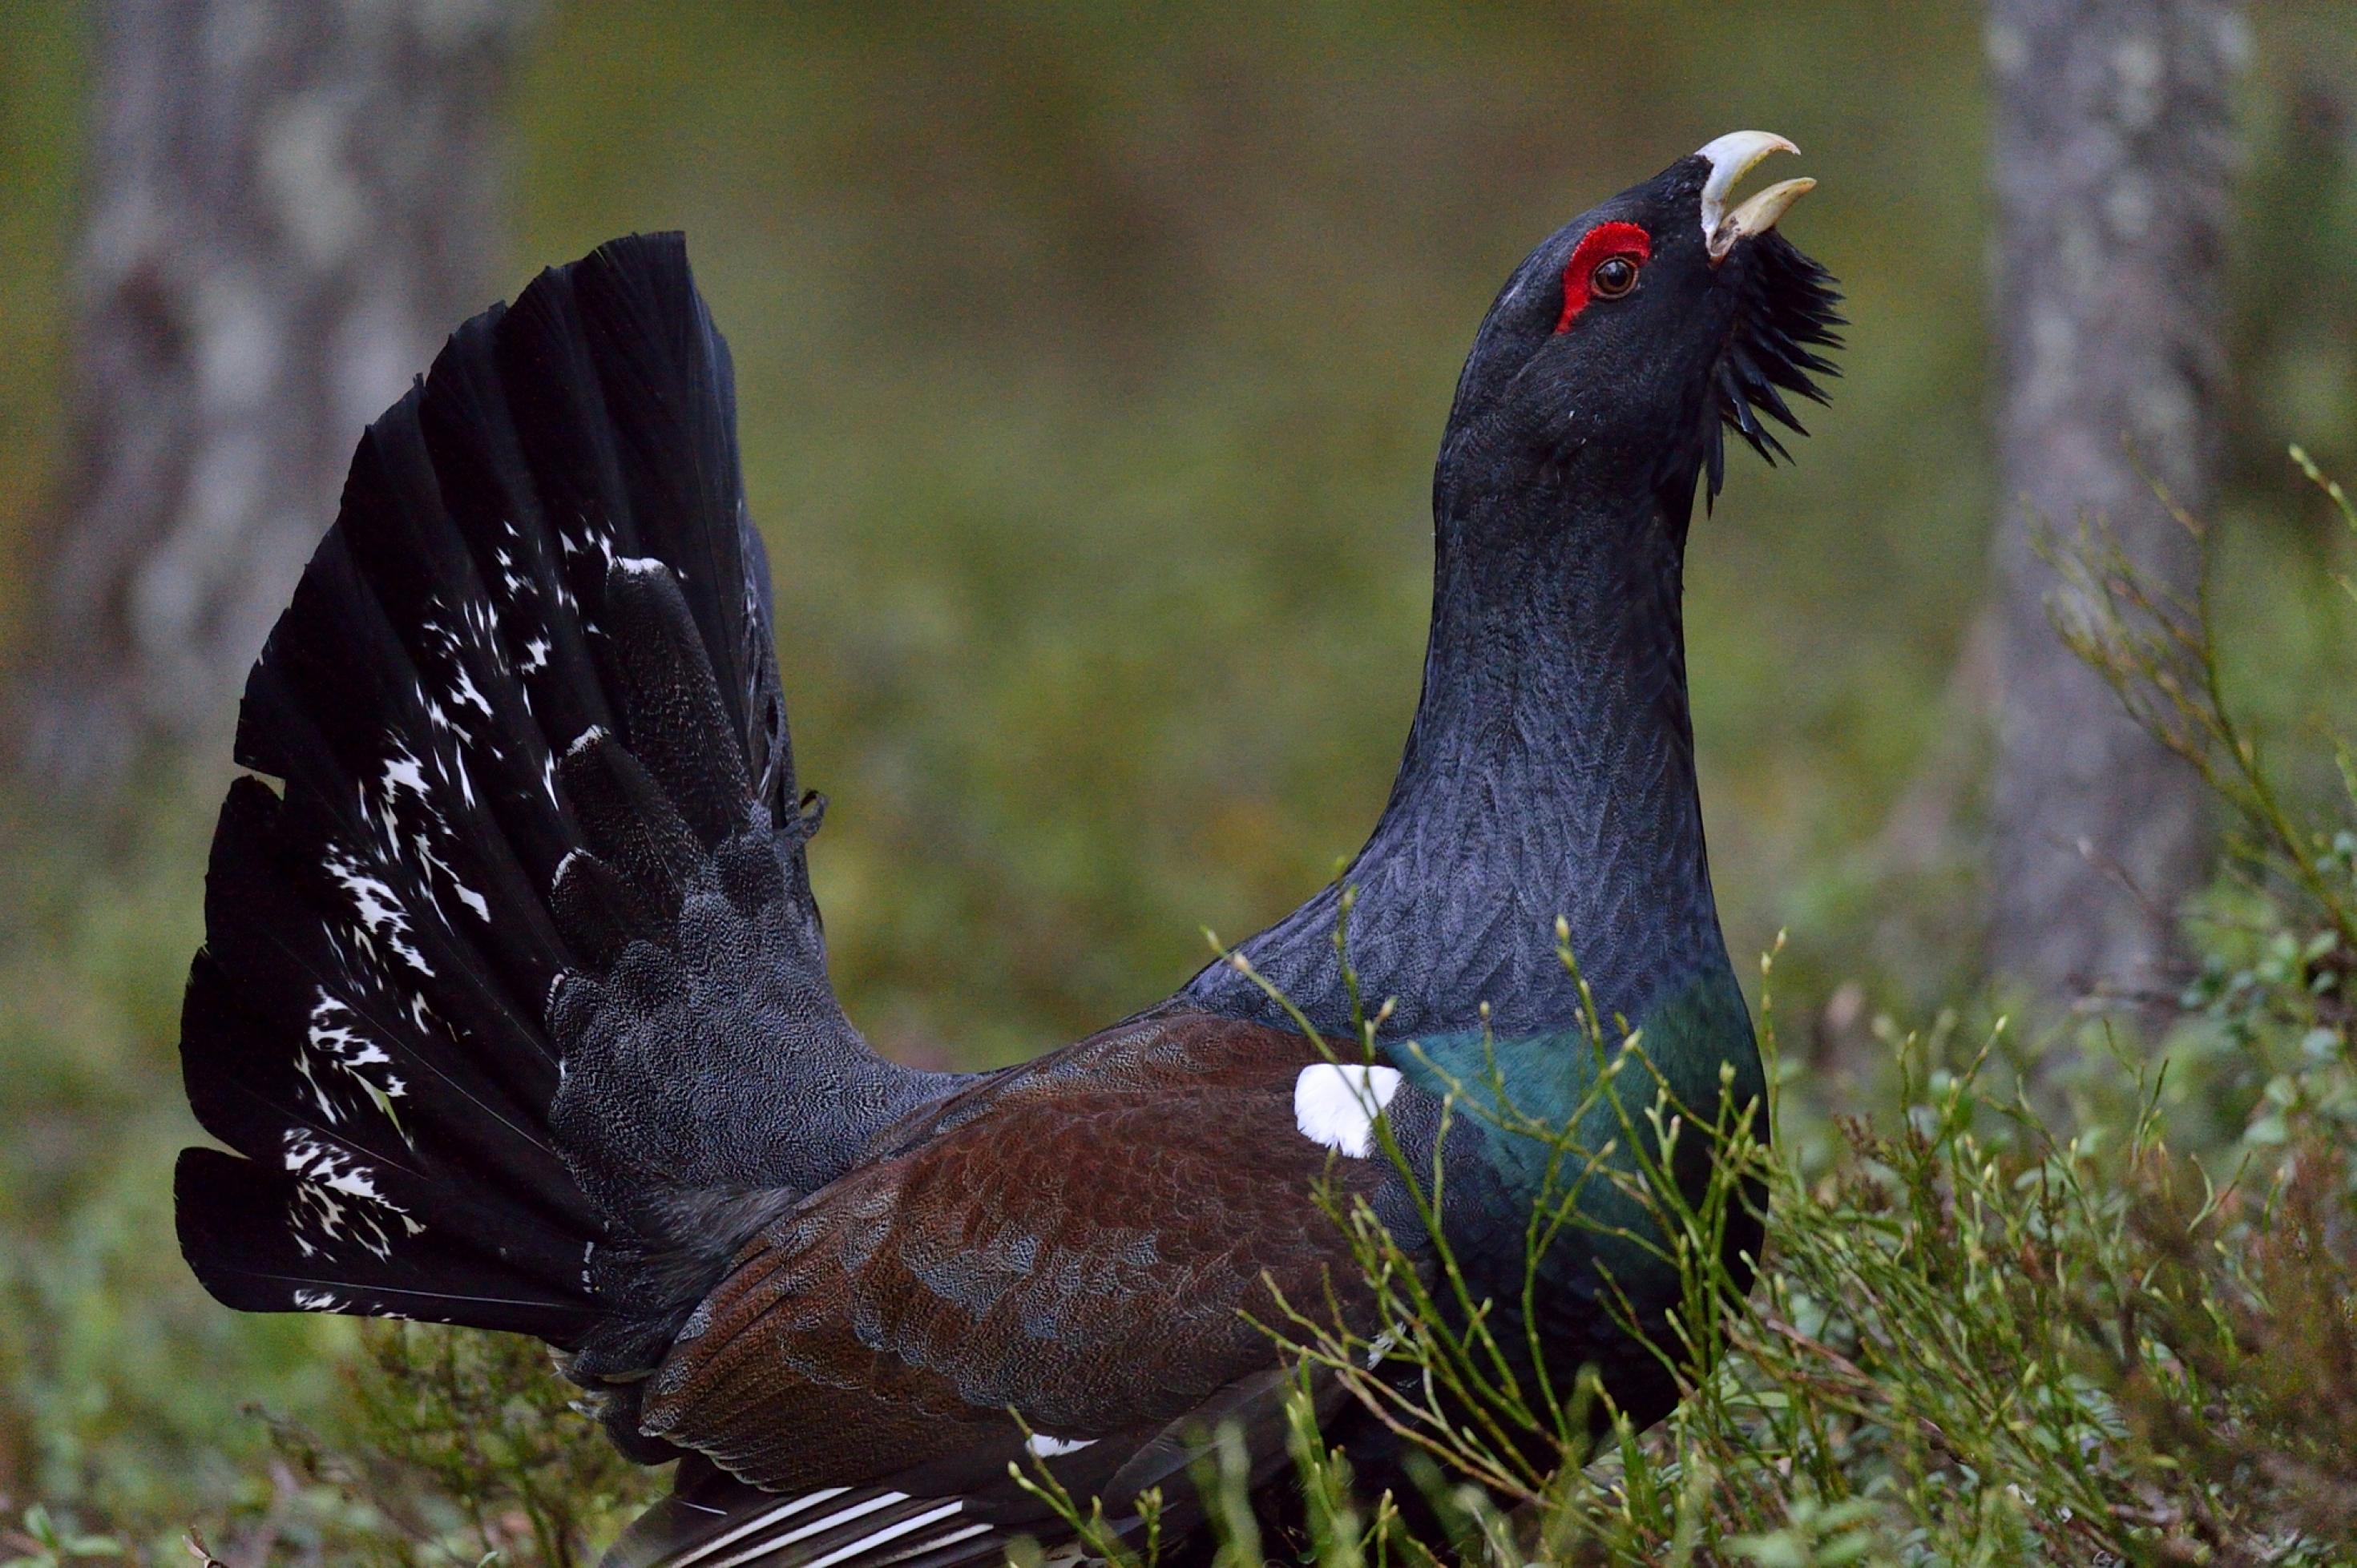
(1090, 364)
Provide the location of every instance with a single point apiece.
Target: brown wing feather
(1078, 1239)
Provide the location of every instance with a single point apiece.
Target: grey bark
(288, 203)
(2114, 149)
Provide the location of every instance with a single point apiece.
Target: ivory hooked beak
(1731, 158)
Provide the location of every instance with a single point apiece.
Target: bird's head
(1634, 336)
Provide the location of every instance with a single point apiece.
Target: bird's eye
(1603, 265)
(1613, 276)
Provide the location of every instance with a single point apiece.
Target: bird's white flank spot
(1047, 1447)
(1335, 1104)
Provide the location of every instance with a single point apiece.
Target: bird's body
(515, 1002)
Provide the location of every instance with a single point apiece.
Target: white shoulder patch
(641, 565)
(1335, 1104)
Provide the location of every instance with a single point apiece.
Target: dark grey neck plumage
(1549, 772)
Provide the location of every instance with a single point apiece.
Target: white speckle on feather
(467, 896)
(334, 1042)
(1336, 1103)
(316, 1301)
(1046, 1447)
(470, 694)
(330, 1167)
(336, 1199)
(378, 909)
(643, 566)
(591, 537)
(403, 771)
(586, 739)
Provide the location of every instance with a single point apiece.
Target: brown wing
(1079, 1240)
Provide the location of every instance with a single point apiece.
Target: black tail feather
(525, 711)
(305, 1048)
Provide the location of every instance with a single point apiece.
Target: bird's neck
(1549, 773)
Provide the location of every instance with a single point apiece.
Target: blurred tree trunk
(287, 203)
(2113, 142)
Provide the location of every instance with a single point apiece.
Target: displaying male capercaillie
(514, 1006)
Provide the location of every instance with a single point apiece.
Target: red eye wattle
(1623, 243)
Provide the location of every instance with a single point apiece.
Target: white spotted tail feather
(513, 1004)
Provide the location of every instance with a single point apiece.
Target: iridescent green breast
(1573, 1127)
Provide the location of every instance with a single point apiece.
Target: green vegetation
(1091, 429)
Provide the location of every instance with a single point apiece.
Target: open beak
(1731, 158)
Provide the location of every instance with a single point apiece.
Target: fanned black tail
(513, 1001)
